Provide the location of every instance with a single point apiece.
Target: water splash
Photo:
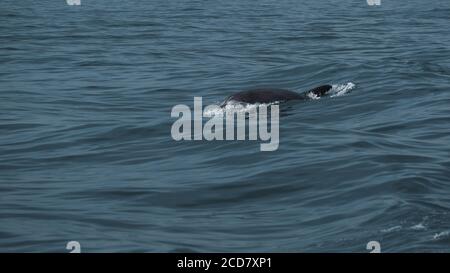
(336, 91)
(341, 89)
(235, 107)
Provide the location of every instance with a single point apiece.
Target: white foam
(234, 106)
(438, 236)
(391, 229)
(312, 96)
(419, 226)
(341, 89)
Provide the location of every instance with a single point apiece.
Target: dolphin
(270, 95)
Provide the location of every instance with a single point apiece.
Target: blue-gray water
(86, 152)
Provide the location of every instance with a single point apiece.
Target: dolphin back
(270, 95)
(264, 96)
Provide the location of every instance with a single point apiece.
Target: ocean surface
(86, 152)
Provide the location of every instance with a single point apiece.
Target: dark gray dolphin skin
(268, 95)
